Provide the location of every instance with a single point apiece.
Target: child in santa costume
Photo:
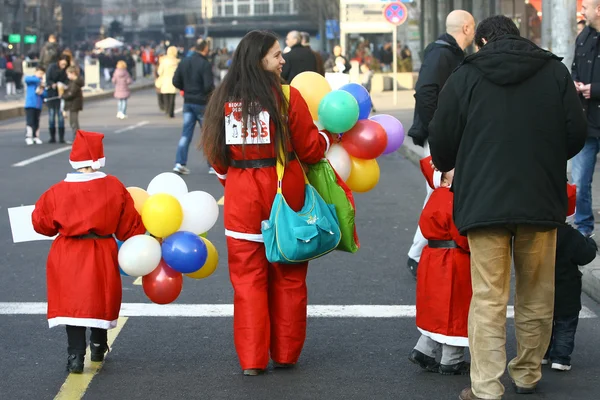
(87, 210)
(443, 282)
(572, 250)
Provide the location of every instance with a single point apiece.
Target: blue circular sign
(395, 13)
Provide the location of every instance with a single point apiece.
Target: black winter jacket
(508, 119)
(194, 76)
(299, 59)
(441, 58)
(586, 71)
(54, 74)
(572, 250)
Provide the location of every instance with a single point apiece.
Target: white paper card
(21, 225)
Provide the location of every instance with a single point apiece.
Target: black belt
(259, 163)
(442, 244)
(92, 236)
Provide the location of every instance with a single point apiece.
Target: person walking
(121, 79)
(299, 59)
(194, 76)
(441, 58)
(585, 72)
(270, 300)
(507, 121)
(166, 71)
(49, 53)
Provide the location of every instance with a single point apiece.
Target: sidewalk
(404, 110)
(13, 109)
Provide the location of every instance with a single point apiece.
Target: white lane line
(226, 310)
(132, 127)
(41, 156)
(178, 110)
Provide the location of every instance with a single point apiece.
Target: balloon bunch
(346, 112)
(175, 244)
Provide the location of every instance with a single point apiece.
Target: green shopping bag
(335, 191)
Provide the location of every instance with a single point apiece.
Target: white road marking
(132, 127)
(41, 156)
(226, 310)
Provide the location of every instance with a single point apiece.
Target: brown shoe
(467, 394)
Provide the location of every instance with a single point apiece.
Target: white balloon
(340, 161)
(319, 125)
(200, 212)
(139, 255)
(169, 183)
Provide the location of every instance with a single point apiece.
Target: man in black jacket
(508, 120)
(299, 59)
(586, 74)
(441, 58)
(194, 76)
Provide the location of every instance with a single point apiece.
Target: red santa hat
(571, 200)
(432, 176)
(87, 150)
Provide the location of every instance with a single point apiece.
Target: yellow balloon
(211, 262)
(162, 215)
(313, 87)
(139, 196)
(364, 175)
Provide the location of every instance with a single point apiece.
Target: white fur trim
(88, 163)
(87, 322)
(75, 177)
(223, 177)
(458, 341)
(251, 237)
(327, 140)
(437, 179)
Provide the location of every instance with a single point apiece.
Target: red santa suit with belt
(270, 300)
(444, 274)
(83, 279)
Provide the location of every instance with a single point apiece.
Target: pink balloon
(163, 285)
(366, 140)
(394, 130)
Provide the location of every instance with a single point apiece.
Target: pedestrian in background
(299, 59)
(34, 101)
(73, 97)
(166, 72)
(121, 79)
(56, 76)
(318, 58)
(441, 58)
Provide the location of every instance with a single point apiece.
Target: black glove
(418, 141)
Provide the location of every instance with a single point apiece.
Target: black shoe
(75, 363)
(52, 140)
(522, 390)
(98, 351)
(412, 267)
(423, 361)
(462, 368)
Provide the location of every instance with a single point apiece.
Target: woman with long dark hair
(247, 119)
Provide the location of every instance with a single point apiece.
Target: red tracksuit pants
(269, 303)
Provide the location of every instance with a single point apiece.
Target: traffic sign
(30, 39)
(14, 38)
(190, 31)
(395, 13)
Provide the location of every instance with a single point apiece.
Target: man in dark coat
(50, 52)
(441, 58)
(318, 58)
(508, 120)
(299, 59)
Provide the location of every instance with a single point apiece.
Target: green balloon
(204, 235)
(338, 111)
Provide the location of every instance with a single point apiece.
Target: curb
(591, 272)
(19, 111)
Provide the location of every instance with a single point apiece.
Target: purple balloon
(394, 130)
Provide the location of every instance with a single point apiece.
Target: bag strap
(280, 167)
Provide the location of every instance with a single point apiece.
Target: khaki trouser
(492, 250)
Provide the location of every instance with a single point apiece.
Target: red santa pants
(270, 303)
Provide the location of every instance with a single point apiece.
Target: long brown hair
(249, 83)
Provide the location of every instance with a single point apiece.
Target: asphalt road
(193, 357)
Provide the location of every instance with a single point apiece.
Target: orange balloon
(364, 175)
(313, 87)
(139, 196)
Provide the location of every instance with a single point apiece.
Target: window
(243, 8)
(261, 7)
(281, 6)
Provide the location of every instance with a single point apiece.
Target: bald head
(461, 25)
(293, 38)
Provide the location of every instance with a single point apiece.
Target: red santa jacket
(249, 193)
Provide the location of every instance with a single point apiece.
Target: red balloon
(163, 285)
(366, 140)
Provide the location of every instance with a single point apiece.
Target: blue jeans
(53, 113)
(122, 108)
(582, 171)
(192, 113)
(563, 339)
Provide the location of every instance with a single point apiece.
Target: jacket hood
(510, 59)
(120, 72)
(448, 41)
